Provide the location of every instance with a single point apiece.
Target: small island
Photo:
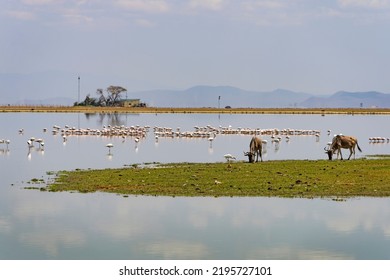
(284, 178)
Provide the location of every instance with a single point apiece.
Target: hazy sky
(312, 46)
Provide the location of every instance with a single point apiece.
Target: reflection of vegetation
(113, 119)
(289, 178)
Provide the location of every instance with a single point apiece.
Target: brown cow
(342, 142)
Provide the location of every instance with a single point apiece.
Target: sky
(317, 47)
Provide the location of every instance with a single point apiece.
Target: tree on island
(110, 97)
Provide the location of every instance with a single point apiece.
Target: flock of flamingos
(138, 133)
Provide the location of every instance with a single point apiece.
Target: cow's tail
(360, 150)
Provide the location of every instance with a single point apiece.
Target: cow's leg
(341, 154)
(352, 152)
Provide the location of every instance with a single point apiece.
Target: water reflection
(41, 225)
(99, 226)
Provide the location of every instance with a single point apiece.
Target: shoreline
(189, 110)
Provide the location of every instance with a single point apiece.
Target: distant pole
(78, 90)
(219, 100)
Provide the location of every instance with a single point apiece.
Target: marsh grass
(287, 178)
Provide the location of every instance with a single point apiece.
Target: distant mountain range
(344, 99)
(56, 88)
(222, 96)
(214, 96)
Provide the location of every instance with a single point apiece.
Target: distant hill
(208, 96)
(57, 88)
(344, 99)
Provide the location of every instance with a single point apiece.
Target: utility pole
(78, 90)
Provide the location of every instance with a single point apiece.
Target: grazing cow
(342, 142)
(255, 149)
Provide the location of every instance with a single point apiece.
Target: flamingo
(109, 146)
(2, 141)
(211, 141)
(229, 157)
(40, 142)
(30, 143)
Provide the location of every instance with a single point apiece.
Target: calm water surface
(41, 225)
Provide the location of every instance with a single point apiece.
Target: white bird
(136, 140)
(2, 141)
(109, 146)
(40, 142)
(211, 138)
(29, 143)
(229, 157)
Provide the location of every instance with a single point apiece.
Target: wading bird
(229, 157)
(109, 146)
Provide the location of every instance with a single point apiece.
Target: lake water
(43, 225)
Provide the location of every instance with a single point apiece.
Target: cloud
(275, 13)
(39, 2)
(374, 4)
(263, 4)
(148, 6)
(76, 18)
(214, 5)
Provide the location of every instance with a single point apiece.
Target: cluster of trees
(109, 97)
